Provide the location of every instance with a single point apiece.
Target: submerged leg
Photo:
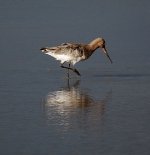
(73, 69)
(68, 71)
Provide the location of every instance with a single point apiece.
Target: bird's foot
(73, 69)
(76, 71)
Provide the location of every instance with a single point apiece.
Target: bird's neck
(93, 45)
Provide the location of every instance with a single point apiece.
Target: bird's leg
(73, 69)
(66, 68)
(68, 71)
(62, 66)
(69, 68)
(76, 71)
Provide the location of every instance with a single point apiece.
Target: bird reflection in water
(71, 102)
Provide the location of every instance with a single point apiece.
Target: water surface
(106, 111)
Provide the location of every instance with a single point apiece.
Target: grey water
(105, 111)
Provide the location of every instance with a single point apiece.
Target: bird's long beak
(105, 51)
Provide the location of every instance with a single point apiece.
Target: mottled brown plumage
(73, 53)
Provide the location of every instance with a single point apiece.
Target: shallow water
(105, 111)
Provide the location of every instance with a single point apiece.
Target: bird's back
(66, 52)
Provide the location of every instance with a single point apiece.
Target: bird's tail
(43, 49)
(48, 49)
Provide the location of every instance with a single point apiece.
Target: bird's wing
(73, 49)
(68, 48)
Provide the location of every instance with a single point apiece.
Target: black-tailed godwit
(72, 53)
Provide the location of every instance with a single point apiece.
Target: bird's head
(100, 43)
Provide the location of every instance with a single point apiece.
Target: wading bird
(72, 53)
